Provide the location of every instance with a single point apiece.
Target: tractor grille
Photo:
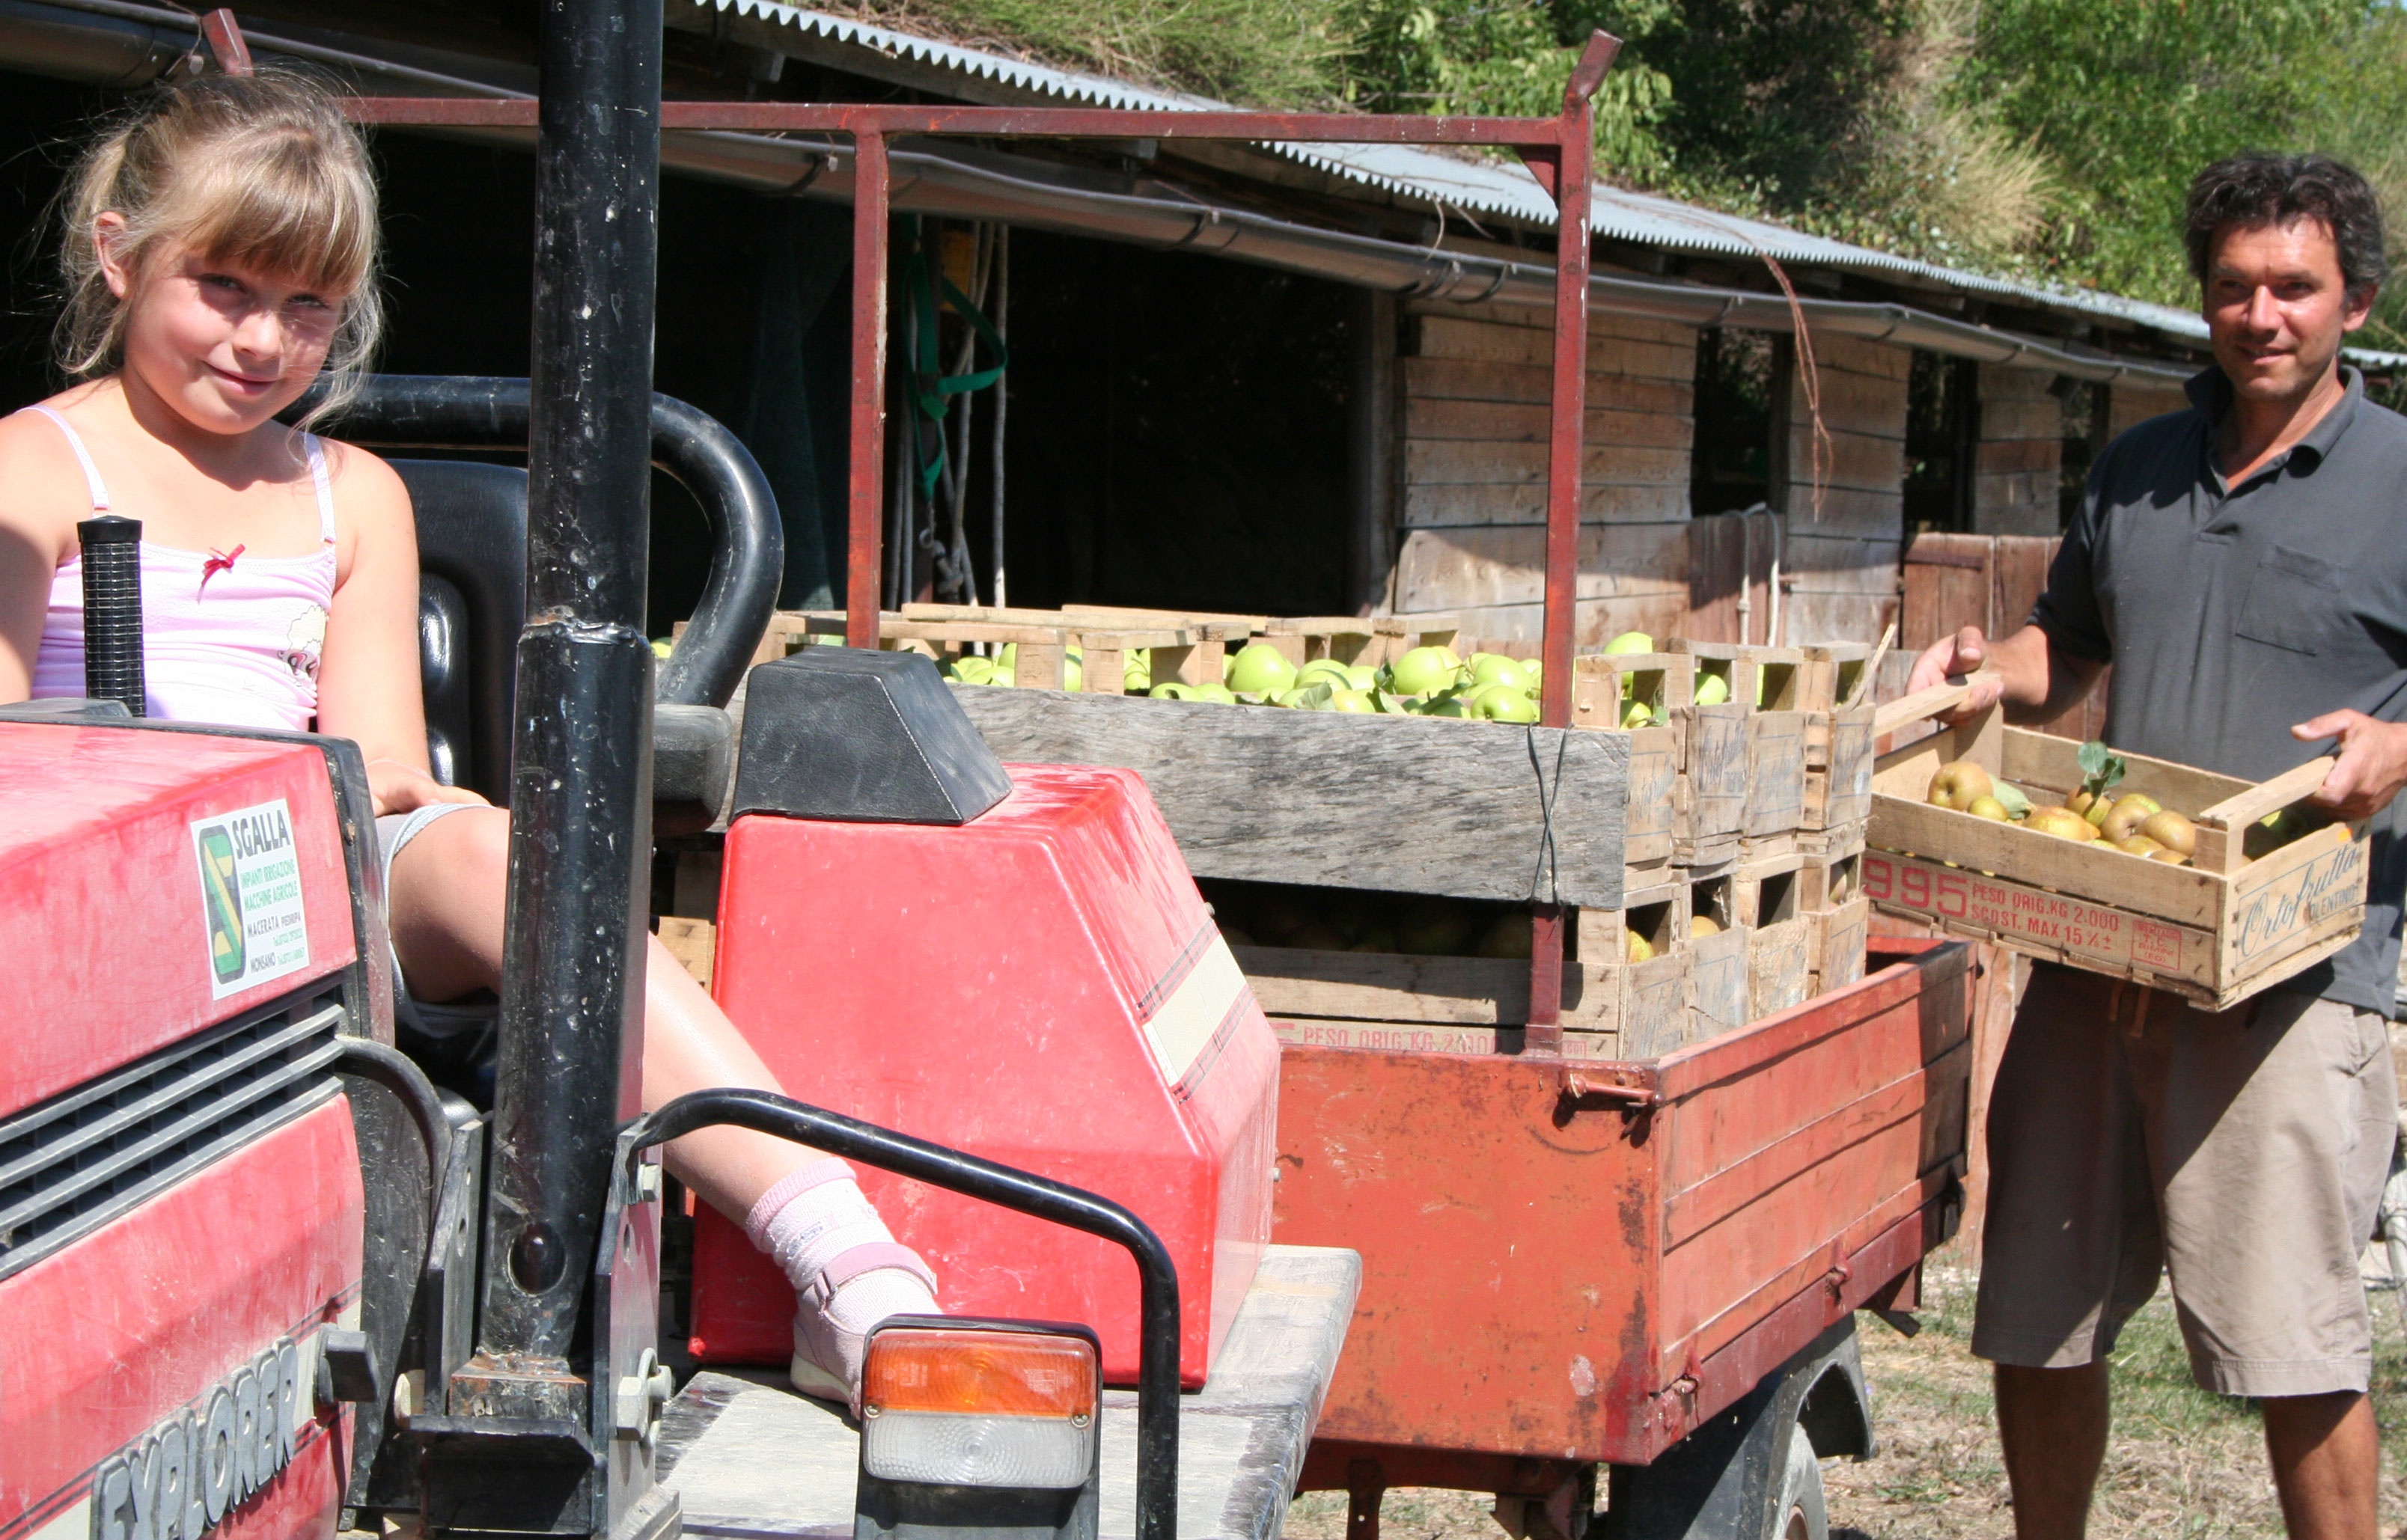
(86, 1156)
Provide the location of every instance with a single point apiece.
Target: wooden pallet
(2215, 932)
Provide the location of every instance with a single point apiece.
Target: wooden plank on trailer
(1393, 987)
(1432, 1037)
(1398, 804)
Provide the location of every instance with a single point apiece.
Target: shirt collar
(2210, 392)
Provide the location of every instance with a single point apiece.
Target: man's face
(2276, 309)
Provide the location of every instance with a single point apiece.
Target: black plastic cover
(857, 736)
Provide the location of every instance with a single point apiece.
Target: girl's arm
(369, 688)
(34, 532)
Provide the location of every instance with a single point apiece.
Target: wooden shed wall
(1472, 520)
(2017, 463)
(1840, 557)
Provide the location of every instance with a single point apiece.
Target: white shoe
(834, 1315)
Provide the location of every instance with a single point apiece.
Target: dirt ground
(2183, 1462)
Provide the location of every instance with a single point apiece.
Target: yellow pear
(2172, 831)
(1703, 925)
(1960, 785)
(1639, 949)
(1988, 807)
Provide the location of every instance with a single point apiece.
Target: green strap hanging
(931, 387)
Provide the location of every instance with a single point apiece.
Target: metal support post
(1573, 155)
(580, 835)
(862, 590)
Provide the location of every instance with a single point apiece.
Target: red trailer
(1568, 1266)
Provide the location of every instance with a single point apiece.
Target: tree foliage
(2048, 138)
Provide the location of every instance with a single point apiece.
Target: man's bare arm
(2037, 682)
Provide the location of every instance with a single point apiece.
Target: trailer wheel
(1754, 1472)
(1802, 1511)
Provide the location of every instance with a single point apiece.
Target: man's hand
(399, 788)
(1950, 657)
(2371, 767)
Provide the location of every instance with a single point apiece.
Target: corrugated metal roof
(1495, 187)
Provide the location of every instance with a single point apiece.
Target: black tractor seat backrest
(472, 524)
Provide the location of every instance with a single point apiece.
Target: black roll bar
(1157, 1376)
(748, 551)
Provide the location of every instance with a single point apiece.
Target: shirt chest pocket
(2294, 603)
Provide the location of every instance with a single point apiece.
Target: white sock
(814, 1217)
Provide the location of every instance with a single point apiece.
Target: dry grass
(2183, 1462)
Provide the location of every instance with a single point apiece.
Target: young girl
(219, 256)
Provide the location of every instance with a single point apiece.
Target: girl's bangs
(285, 212)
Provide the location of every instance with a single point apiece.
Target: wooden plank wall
(1988, 580)
(1842, 561)
(2129, 405)
(1475, 383)
(2017, 463)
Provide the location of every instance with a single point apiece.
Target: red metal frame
(1559, 150)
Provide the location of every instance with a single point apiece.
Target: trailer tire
(1754, 1472)
(1802, 1513)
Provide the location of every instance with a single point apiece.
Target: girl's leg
(446, 902)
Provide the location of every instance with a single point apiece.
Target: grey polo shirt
(2230, 612)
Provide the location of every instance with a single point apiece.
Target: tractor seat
(472, 524)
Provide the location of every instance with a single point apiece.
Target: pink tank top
(227, 637)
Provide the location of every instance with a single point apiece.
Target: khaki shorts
(2243, 1153)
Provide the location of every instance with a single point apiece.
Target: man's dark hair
(2256, 189)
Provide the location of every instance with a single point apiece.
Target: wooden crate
(1427, 1038)
(1365, 640)
(1415, 805)
(1842, 934)
(1838, 741)
(1826, 882)
(1707, 813)
(1769, 687)
(1719, 981)
(1041, 639)
(1655, 994)
(1781, 937)
(2214, 933)
(1470, 991)
(1656, 755)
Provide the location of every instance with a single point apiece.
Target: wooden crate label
(1775, 771)
(2295, 903)
(2056, 924)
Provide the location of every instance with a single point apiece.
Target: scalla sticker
(250, 896)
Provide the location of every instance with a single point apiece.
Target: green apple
(1495, 668)
(1451, 705)
(1356, 701)
(1219, 694)
(1073, 673)
(1630, 641)
(1006, 662)
(1536, 671)
(1639, 713)
(1712, 690)
(1327, 670)
(1359, 678)
(1433, 927)
(1261, 669)
(1425, 670)
(1173, 691)
(971, 669)
(1503, 703)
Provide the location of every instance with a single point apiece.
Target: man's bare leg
(2052, 1424)
(2326, 1462)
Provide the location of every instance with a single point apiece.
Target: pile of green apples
(1426, 682)
(1136, 669)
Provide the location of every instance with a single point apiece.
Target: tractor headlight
(980, 1404)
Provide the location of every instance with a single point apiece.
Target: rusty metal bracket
(1633, 1088)
(226, 43)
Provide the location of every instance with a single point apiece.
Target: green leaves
(2102, 768)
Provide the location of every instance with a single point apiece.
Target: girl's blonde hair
(257, 169)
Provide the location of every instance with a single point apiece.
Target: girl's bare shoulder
(43, 490)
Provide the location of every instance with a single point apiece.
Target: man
(2242, 564)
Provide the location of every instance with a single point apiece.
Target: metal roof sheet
(1497, 186)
